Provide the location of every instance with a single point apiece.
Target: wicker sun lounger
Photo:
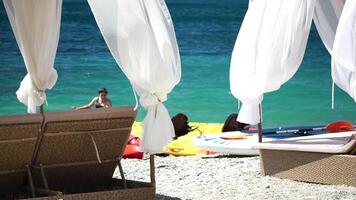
(79, 151)
(17, 141)
(327, 158)
(68, 155)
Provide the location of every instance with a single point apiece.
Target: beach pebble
(224, 177)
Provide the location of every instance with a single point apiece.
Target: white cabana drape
(326, 18)
(141, 38)
(336, 25)
(36, 25)
(268, 50)
(344, 50)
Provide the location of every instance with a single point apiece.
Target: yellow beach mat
(184, 145)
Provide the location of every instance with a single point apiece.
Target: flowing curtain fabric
(36, 25)
(141, 38)
(344, 50)
(326, 19)
(336, 24)
(268, 50)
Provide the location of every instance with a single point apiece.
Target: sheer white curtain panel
(36, 25)
(141, 38)
(326, 18)
(268, 50)
(344, 51)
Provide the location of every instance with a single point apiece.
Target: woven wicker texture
(77, 147)
(17, 142)
(87, 125)
(19, 131)
(79, 154)
(77, 176)
(137, 191)
(80, 181)
(20, 126)
(15, 154)
(309, 167)
(91, 114)
(112, 143)
(72, 137)
(21, 119)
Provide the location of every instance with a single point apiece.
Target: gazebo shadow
(228, 156)
(164, 197)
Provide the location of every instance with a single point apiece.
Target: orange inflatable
(131, 150)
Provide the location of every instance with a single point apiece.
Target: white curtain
(336, 27)
(268, 50)
(36, 25)
(326, 18)
(344, 50)
(141, 38)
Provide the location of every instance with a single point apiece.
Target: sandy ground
(225, 177)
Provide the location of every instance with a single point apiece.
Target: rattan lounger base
(136, 190)
(309, 166)
(11, 181)
(73, 181)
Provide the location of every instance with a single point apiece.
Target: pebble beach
(212, 177)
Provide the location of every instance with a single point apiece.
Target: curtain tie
(152, 99)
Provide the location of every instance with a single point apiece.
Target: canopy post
(152, 170)
(39, 139)
(260, 125)
(41, 109)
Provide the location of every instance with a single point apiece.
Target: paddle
(335, 126)
(288, 130)
(339, 126)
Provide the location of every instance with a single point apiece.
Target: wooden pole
(41, 109)
(260, 125)
(152, 170)
(38, 141)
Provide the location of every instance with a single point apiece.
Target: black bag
(180, 123)
(231, 124)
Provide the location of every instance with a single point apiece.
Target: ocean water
(206, 31)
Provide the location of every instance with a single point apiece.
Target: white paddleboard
(216, 143)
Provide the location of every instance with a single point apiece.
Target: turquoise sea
(206, 31)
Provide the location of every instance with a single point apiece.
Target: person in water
(100, 101)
